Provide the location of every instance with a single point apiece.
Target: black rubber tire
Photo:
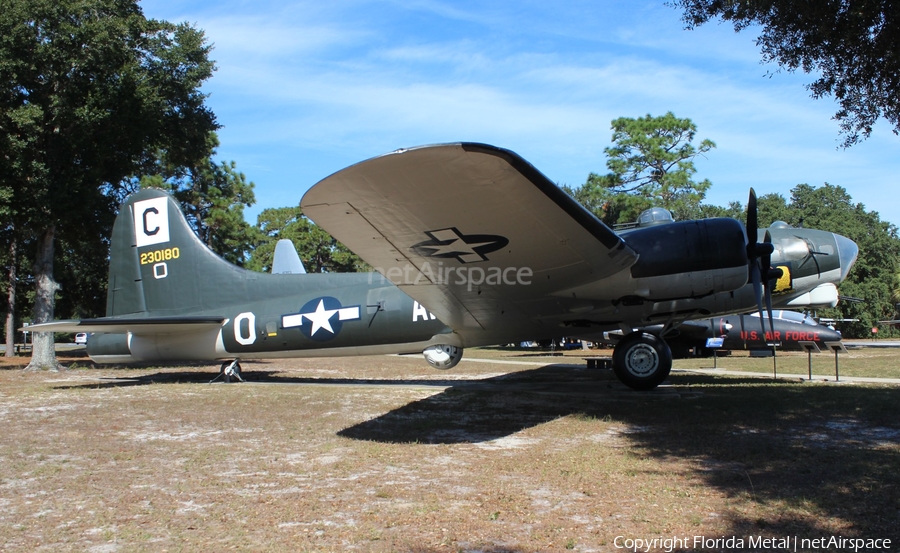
(642, 361)
(227, 377)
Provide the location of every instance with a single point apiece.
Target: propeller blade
(757, 293)
(766, 265)
(759, 261)
(752, 222)
(769, 310)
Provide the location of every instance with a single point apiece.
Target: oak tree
(850, 45)
(89, 91)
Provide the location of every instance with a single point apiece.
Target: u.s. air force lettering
(321, 319)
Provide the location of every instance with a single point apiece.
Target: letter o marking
(251, 324)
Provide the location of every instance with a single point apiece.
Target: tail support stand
(229, 371)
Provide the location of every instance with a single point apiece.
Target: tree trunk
(43, 353)
(11, 302)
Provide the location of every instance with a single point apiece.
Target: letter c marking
(147, 230)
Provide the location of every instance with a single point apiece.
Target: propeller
(759, 256)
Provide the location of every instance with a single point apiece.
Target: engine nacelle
(823, 295)
(688, 259)
(443, 356)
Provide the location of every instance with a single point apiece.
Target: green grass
(866, 362)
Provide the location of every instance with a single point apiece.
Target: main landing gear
(642, 361)
(228, 371)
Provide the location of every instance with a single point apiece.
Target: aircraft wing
(136, 325)
(474, 233)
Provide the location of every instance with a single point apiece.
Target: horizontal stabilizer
(138, 326)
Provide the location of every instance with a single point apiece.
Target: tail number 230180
(156, 256)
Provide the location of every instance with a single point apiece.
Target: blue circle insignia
(321, 319)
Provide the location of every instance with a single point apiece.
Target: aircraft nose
(848, 251)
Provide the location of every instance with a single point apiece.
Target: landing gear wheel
(231, 370)
(642, 361)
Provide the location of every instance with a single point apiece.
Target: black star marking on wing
(449, 243)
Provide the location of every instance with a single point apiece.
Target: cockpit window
(655, 216)
(792, 316)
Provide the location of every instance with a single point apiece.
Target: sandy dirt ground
(384, 454)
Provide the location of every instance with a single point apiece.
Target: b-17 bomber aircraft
(473, 246)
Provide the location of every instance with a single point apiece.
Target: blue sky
(304, 89)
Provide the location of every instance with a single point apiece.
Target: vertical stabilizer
(159, 267)
(286, 260)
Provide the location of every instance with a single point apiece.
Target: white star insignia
(321, 318)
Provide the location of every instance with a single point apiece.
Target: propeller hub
(756, 250)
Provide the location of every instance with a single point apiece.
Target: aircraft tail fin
(159, 267)
(286, 260)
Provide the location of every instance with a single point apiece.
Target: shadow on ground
(823, 457)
